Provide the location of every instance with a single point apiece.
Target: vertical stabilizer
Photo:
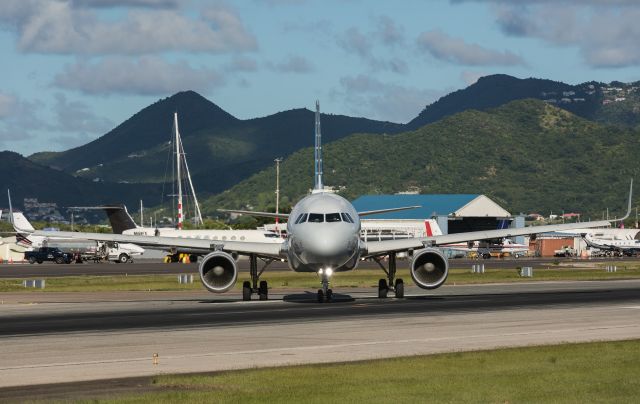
(318, 186)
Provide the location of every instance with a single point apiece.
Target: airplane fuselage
(324, 232)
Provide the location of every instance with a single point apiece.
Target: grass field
(571, 373)
(287, 279)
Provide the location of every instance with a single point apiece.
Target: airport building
(453, 213)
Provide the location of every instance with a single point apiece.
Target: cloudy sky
(74, 69)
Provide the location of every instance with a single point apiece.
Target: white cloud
(62, 27)
(293, 64)
(23, 128)
(362, 45)
(367, 96)
(242, 64)
(75, 116)
(455, 50)
(605, 36)
(147, 75)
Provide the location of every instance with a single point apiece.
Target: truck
(565, 251)
(48, 254)
(96, 251)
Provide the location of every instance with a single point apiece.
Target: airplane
(25, 237)
(626, 245)
(324, 239)
(122, 223)
(484, 249)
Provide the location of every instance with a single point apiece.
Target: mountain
(614, 103)
(527, 155)
(27, 179)
(221, 149)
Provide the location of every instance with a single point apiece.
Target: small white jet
(324, 239)
(484, 249)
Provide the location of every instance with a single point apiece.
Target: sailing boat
(182, 174)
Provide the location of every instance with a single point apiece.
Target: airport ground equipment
(48, 254)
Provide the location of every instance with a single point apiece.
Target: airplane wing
(373, 248)
(375, 212)
(382, 247)
(272, 250)
(259, 214)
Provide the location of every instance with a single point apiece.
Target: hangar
(453, 213)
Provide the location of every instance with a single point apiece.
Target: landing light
(328, 271)
(320, 271)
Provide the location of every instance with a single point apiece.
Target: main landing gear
(325, 294)
(391, 283)
(261, 288)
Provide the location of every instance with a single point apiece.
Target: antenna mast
(318, 186)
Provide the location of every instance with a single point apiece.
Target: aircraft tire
(246, 291)
(263, 290)
(320, 296)
(383, 289)
(329, 295)
(399, 288)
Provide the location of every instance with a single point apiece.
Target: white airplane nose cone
(218, 270)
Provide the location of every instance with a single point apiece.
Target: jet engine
(429, 268)
(218, 271)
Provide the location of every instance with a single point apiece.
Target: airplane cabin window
(333, 217)
(242, 238)
(316, 218)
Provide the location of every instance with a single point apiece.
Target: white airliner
(324, 238)
(122, 223)
(484, 249)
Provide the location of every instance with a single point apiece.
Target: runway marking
(631, 307)
(287, 350)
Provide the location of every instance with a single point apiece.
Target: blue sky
(74, 69)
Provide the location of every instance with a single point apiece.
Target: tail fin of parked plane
(118, 215)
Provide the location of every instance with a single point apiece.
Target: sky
(71, 70)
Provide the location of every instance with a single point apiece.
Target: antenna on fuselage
(318, 186)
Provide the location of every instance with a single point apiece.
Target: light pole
(278, 160)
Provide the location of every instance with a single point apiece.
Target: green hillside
(221, 149)
(615, 103)
(527, 155)
(27, 179)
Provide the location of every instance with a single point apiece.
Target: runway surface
(110, 335)
(155, 267)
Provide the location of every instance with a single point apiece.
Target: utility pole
(278, 160)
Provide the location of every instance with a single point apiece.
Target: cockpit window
(302, 218)
(316, 218)
(333, 217)
(346, 217)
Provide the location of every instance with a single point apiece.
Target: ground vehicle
(47, 254)
(565, 251)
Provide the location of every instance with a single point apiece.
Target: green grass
(571, 373)
(366, 278)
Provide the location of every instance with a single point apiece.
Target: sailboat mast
(197, 215)
(178, 174)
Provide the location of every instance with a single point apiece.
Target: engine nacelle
(218, 271)
(429, 268)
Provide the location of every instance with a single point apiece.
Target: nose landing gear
(325, 294)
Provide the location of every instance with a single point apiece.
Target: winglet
(629, 205)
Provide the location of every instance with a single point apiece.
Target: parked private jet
(324, 239)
